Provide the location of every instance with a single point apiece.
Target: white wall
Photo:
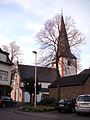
(68, 70)
(44, 85)
(26, 97)
(6, 68)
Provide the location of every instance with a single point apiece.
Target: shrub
(48, 101)
(37, 108)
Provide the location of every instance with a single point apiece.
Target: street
(12, 114)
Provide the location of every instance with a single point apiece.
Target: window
(68, 62)
(3, 57)
(84, 98)
(3, 75)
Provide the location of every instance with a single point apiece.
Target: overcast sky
(21, 20)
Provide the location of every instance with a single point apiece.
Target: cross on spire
(61, 12)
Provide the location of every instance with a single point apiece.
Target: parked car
(6, 101)
(66, 105)
(82, 104)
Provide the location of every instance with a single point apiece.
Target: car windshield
(64, 100)
(84, 98)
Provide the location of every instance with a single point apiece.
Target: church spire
(64, 43)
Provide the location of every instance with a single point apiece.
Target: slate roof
(86, 71)
(70, 80)
(64, 43)
(44, 74)
(1, 51)
(8, 62)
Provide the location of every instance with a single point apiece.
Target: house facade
(45, 77)
(5, 73)
(17, 85)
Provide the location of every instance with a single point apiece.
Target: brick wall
(87, 86)
(53, 92)
(71, 91)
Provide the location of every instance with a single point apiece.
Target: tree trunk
(58, 77)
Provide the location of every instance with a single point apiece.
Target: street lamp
(35, 99)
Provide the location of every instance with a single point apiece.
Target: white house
(5, 73)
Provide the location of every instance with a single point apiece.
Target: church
(70, 84)
(68, 62)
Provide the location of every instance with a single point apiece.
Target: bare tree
(53, 44)
(14, 51)
(50, 38)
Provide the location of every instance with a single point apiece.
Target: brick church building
(70, 84)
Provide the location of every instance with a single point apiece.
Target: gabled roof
(44, 74)
(86, 71)
(1, 51)
(70, 80)
(64, 43)
(8, 62)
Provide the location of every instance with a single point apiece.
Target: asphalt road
(12, 114)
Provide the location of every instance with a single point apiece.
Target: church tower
(68, 62)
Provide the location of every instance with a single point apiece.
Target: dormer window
(3, 75)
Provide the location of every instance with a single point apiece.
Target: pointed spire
(64, 43)
(63, 29)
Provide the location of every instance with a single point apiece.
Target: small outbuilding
(71, 86)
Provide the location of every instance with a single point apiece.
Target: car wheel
(78, 113)
(73, 110)
(59, 110)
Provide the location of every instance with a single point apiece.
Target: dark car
(66, 105)
(6, 101)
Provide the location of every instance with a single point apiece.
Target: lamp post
(35, 99)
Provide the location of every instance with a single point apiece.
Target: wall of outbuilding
(71, 91)
(86, 88)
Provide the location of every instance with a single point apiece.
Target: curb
(36, 114)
